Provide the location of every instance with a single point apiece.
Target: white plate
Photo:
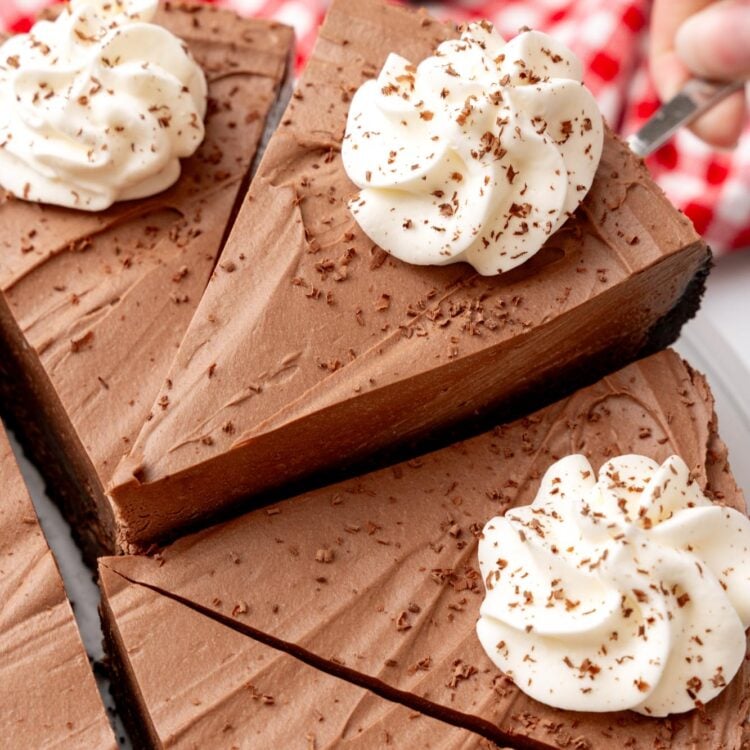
(704, 347)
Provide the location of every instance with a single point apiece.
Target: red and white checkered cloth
(713, 188)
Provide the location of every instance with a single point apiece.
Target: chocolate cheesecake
(376, 578)
(313, 348)
(47, 690)
(185, 680)
(93, 305)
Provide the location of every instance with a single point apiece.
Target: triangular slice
(93, 306)
(47, 690)
(380, 573)
(185, 681)
(312, 347)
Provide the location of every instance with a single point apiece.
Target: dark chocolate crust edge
(67, 486)
(124, 688)
(666, 331)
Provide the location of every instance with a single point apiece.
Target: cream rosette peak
(626, 591)
(477, 154)
(97, 106)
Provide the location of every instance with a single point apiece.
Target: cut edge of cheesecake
(370, 715)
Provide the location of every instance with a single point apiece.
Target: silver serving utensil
(696, 97)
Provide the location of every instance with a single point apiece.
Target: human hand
(710, 39)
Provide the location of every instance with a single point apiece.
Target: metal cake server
(696, 97)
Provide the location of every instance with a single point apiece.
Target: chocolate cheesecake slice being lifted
(313, 347)
(47, 689)
(379, 575)
(93, 305)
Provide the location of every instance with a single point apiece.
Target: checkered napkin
(713, 188)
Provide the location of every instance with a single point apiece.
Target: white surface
(717, 342)
(79, 581)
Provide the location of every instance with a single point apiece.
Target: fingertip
(723, 125)
(715, 43)
(668, 73)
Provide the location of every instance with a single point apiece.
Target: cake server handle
(696, 96)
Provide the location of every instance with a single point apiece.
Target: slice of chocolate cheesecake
(184, 680)
(93, 305)
(48, 696)
(314, 348)
(379, 575)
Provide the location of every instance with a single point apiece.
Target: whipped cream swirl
(478, 154)
(97, 106)
(627, 592)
